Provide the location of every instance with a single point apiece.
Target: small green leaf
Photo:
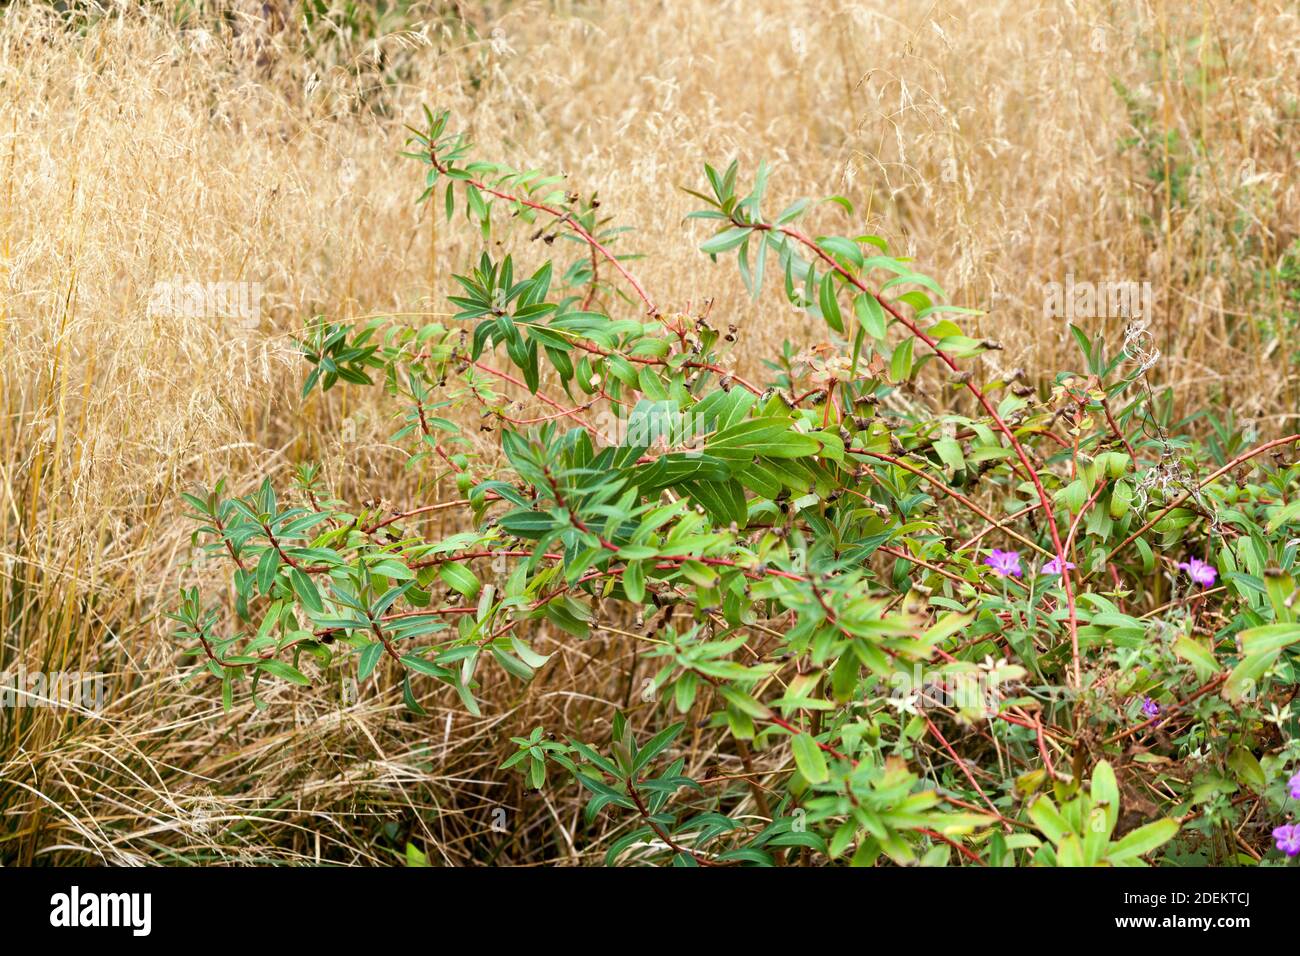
(512, 664)
(1048, 819)
(1247, 768)
(634, 582)
(1243, 682)
(368, 658)
(1143, 840)
(1270, 637)
(1121, 499)
(284, 671)
(949, 451)
(871, 315)
(421, 666)
(1191, 650)
(305, 588)
(527, 654)
(408, 697)
(727, 239)
(390, 568)
(809, 759)
(829, 305)
(460, 578)
(1105, 793)
(900, 365)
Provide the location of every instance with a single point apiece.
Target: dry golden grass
(983, 137)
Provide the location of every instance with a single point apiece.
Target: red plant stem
(573, 515)
(1114, 426)
(1244, 457)
(780, 722)
(383, 639)
(230, 548)
(903, 555)
(647, 360)
(403, 515)
(1173, 708)
(428, 433)
(960, 765)
(1036, 725)
(972, 541)
(983, 400)
(567, 219)
(207, 649)
(468, 555)
(546, 399)
(1042, 746)
(287, 559)
(644, 811)
(399, 615)
(562, 413)
(954, 494)
(970, 806)
(969, 854)
(827, 748)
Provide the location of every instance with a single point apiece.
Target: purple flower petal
(1287, 839)
(1054, 566)
(1004, 563)
(1199, 571)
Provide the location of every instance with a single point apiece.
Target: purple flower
(1150, 708)
(1054, 566)
(1004, 563)
(1294, 784)
(1287, 839)
(1200, 572)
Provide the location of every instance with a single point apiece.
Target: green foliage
(805, 561)
(1079, 833)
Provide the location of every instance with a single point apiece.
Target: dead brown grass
(983, 137)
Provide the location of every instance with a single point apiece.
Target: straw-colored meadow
(1003, 146)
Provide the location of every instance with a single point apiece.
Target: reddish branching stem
(984, 402)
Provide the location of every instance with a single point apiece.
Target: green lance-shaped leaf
(809, 758)
(1143, 840)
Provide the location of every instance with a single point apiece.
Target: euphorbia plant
(916, 601)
